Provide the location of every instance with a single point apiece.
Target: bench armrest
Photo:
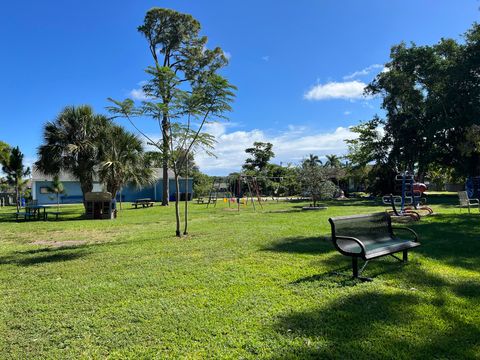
(473, 201)
(349, 238)
(407, 229)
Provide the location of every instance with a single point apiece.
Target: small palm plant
(57, 188)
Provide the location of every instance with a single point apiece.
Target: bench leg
(405, 256)
(355, 266)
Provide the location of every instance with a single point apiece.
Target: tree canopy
(431, 97)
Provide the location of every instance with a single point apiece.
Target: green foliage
(312, 160)
(183, 90)
(56, 187)
(315, 182)
(4, 152)
(431, 96)
(333, 161)
(71, 144)
(261, 154)
(122, 160)
(15, 172)
(202, 183)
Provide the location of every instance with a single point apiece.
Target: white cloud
(363, 72)
(266, 58)
(337, 90)
(290, 145)
(138, 94)
(346, 113)
(227, 55)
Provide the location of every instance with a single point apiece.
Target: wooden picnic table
(143, 202)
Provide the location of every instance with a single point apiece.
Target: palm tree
(70, 144)
(333, 161)
(313, 160)
(122, 160)
(57, 188)
(12, 165)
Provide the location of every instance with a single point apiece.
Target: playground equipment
(472, 186)
(99, 205)
(409, 197)
(240, 189)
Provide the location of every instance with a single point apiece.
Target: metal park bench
(143, 203)
(466, 202)
(369, 237)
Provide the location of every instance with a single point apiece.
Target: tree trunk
(58, 201)
(17, 194)
(87, 186)
(185, 229)
(166, 151)
(177, 205)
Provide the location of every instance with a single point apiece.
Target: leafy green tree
(315, 183)
(184, 92)
(261, 153)
(56, 187)
(122, 160)
(16, 172)
(431, 96)
(180, 56)
(4, 152)
(71, 144)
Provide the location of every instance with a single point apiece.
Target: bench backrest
(363, 227)
(463, 198)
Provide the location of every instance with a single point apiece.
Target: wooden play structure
(99, 205)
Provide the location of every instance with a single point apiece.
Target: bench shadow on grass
(375, 324)
(302, 245)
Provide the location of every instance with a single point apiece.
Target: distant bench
(369, 237)
(143, 203)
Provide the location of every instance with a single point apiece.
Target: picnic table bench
(369, 237)
(143, 203)
(26, 215)
(200, 200)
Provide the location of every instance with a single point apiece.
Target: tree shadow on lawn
(66, 216)
(370, 323)
(453, 239)
(45, 255)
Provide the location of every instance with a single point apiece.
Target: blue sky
(299, 65)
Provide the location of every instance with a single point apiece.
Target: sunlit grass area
(241, 285)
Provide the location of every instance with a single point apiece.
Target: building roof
(67, 176)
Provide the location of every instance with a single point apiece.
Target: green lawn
(242, 285)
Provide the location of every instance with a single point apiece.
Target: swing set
(240, 189)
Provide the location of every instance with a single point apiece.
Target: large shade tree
(71, 144)
(431, 98)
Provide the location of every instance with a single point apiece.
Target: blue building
(73, 192)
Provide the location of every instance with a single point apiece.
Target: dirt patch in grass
(58, 244)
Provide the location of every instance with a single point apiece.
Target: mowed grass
(241, 285)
